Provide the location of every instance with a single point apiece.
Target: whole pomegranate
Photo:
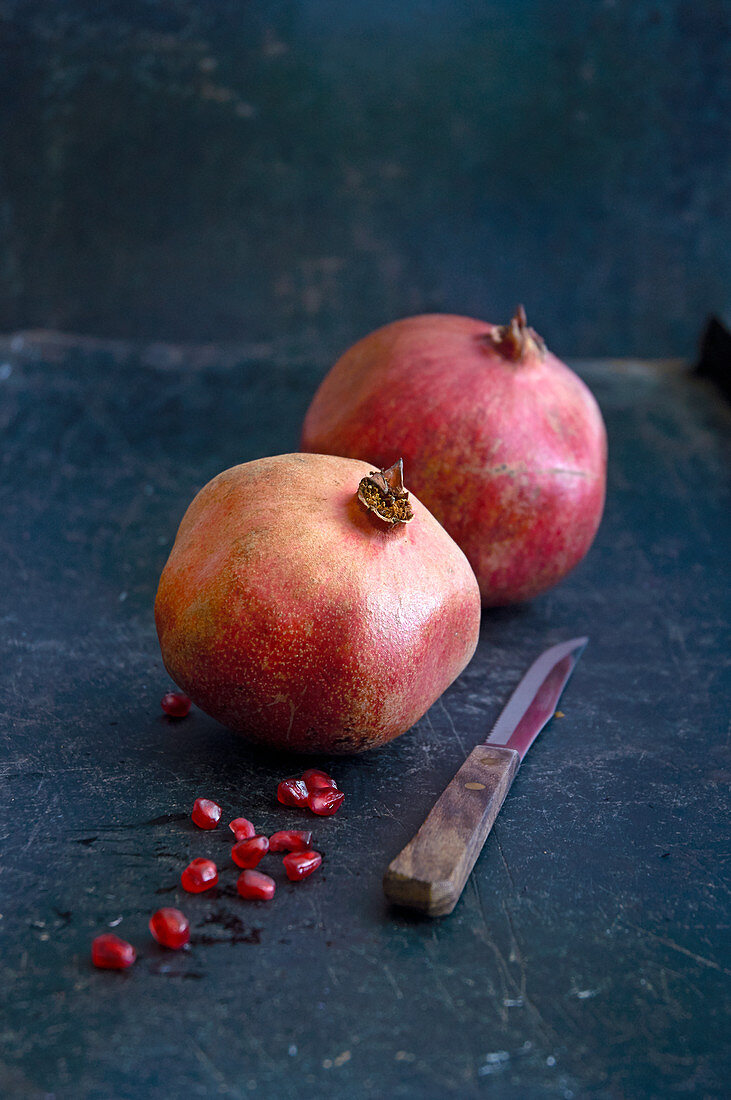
(503, 443)
(311, 604)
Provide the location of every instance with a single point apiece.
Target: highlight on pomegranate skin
(109, 952)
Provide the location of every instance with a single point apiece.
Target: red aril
(175, 704)
(501, 441)
(253, 884)
(206, 813)
(170, 928)
(242, 828)
(315, 780)
(289, 840)
(292, 792)
(299, 865)
(111, 953)
(248, 853)
(200, 874)
(326, 802)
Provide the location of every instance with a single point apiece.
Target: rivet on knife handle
(430, 873)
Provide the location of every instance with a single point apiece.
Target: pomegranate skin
(297, 618)
(510, 456)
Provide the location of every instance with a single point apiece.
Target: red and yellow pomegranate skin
(294, 616)
(510, 456)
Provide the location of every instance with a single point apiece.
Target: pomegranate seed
(242, 828)
(325, 803)
(111, 953)
(292, 792)
(253, 884)
(248, 853)
(289, 840)
(299, 865)
(175, 704)
(206, 814)
(170, 927)
(315, 780)
(199, 875)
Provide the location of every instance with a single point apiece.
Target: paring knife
(430, 873)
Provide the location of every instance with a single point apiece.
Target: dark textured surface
(199, 170)
(587, 956)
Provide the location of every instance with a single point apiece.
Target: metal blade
(534, 700)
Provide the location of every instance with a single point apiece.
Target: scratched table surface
(587, 954)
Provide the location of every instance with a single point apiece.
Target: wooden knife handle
(430, 873)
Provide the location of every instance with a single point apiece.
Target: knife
(430, 873)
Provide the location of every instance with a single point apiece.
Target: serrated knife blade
(430, 873)
(534, 700)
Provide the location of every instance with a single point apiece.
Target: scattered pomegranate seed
(206, 813)
(289, 840)
(299, 865)
(292, 792)
(242, 828)
(170, 927)
(248, 853)
(175, 704)
(111, 953)
(326, 802)
(253, 884)
(199, 875)
(315, 780)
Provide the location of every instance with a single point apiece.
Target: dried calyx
(516, 340)
(383, 492)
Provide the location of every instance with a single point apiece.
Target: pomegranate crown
(516, 340)
(382, 492)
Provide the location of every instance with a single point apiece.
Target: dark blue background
(194, 170)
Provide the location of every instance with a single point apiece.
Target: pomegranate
(502, 442)
(311, 604)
